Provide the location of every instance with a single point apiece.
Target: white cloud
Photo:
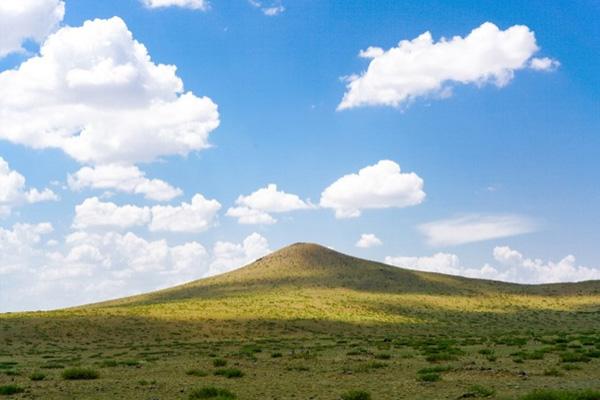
(424, 68)
(382, 185)
(95, 213)
(249, 216)
(22, 20)
(255, 208)
(543, 64)
(13, 191)
(94, 93)
(89, 267)
(191, 4)
(197, 216)
(229, 256)
(275, 8)
(18, 247)
(475, 228)
(124, 178)
(512, 267)
(368, 240)
(440, 262)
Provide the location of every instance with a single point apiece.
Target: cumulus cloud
(544, 64)
(123, 178)
(196, 216)
(95, 213)
(94, 92)
(13, 191)
(382, 185)
(424, 68)
(89, 267)
(256, 207)
(22, 20)
(18, 246)
(475, 228)
(249, 216)
(511, 266)
(202, 5)
(368, 240)
(270, 10)
(228, 256)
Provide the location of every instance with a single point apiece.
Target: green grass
(211, 392)
(549, 394)
(7, 390)
(37, 376)
(229, 372)
(79, 374)
(307, 322)
(429, 377)
(356, 395)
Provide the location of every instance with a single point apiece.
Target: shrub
(429, 377)
(356, 395)
(10, 389)
(552, 372)
(229, 372)
(480, 391)
(219, 362)
(79, 374)
(436, 357)
(196, 372)
(573, 357)
(548, 394)
(437, 368)
(37, 376)
(211, 392)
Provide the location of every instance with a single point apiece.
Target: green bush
(356, 395)
(37, 376)
(196, 372)
(219, 362)
(211, 392)
(548, 394)
(480, 391)
(437, 368)
(383, 356)
(429, 377)
(229, 372)
(79, 374)
(573, 357)
(10, 389)
(552, 372)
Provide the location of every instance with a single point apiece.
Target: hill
(309, 322)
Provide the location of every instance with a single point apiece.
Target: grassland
(307, 322)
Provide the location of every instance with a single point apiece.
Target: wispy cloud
(270, 10)
(475, 228)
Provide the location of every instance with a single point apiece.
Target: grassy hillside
(309, 322)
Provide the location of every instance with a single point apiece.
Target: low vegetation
(307, 322)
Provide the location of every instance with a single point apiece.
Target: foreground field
(310, 323)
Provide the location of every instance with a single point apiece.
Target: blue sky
(506, 161)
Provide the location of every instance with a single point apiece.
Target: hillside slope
(307, 288)
(303, 266)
